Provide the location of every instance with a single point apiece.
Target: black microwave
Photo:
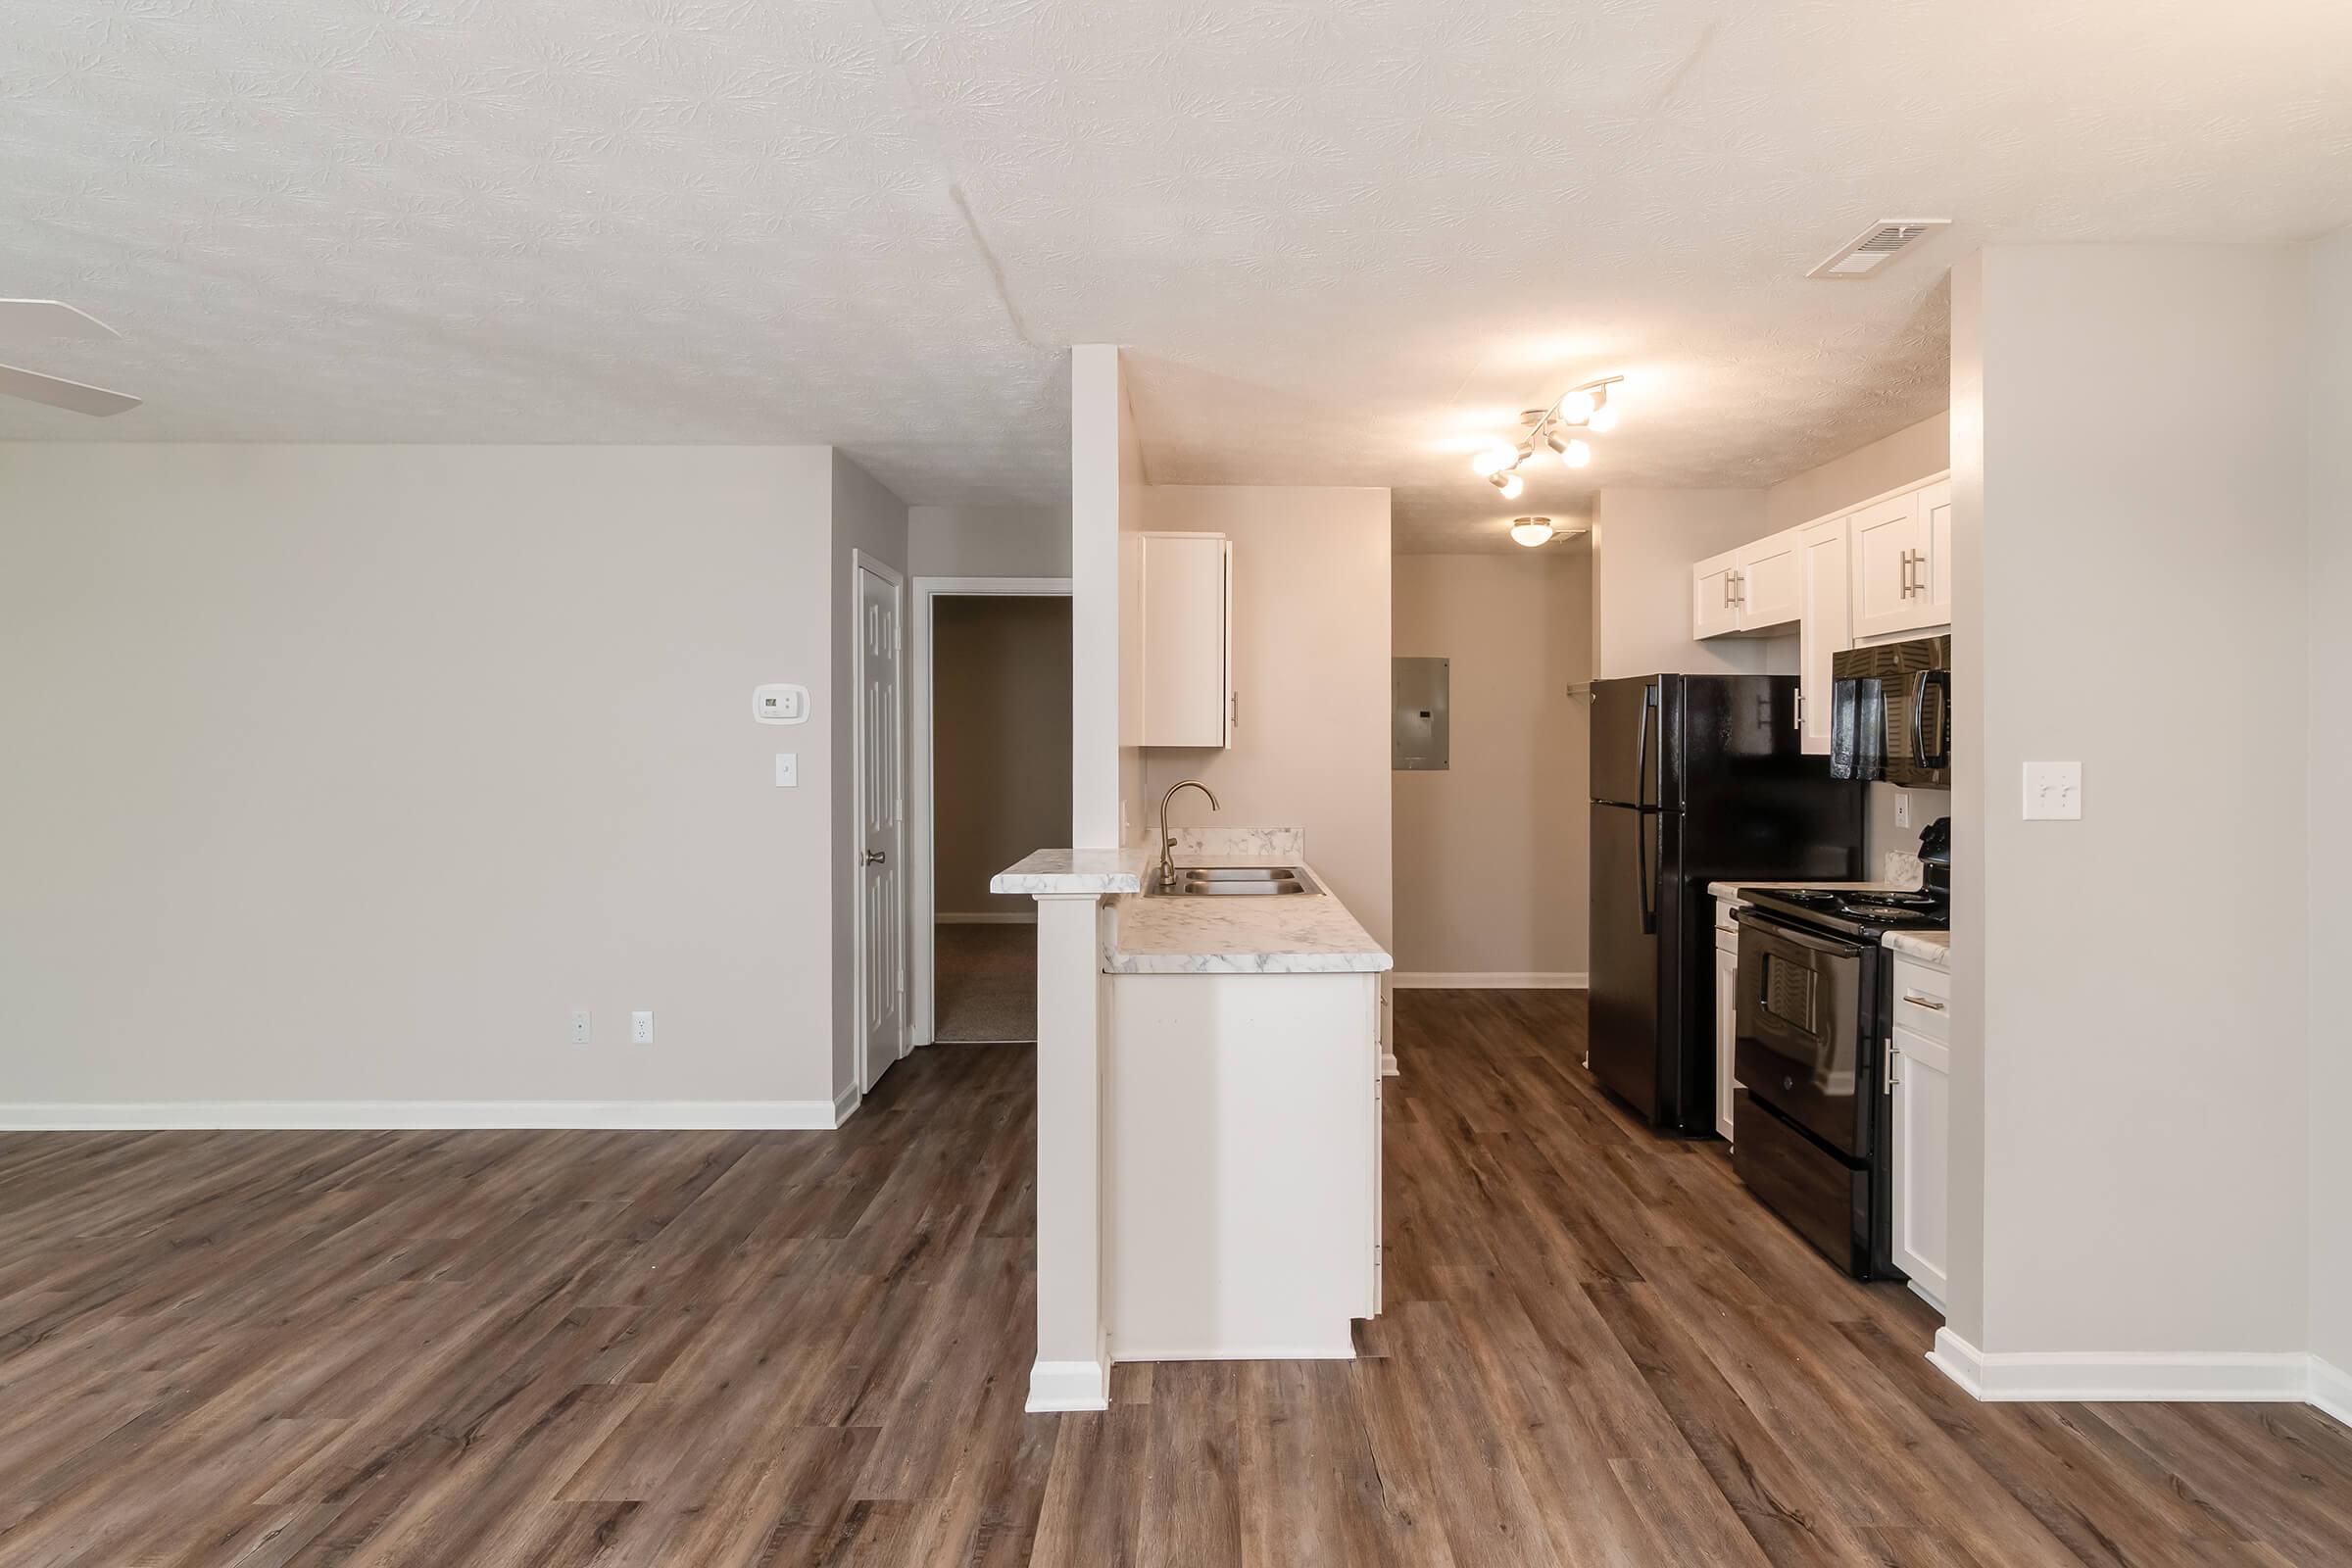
(1891, 712)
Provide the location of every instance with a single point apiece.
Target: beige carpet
(987, 984)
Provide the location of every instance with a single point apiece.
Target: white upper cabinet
(1768, 593)
(1187, 596)
(1902, 549)
(1825, 626)
(1752, 590)
(1713, 583)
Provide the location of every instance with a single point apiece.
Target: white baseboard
(435, 1115)
(1388, 1065)
(2330, 1390)
(1068, 1386)
(1486, 980)
(2091, 1377)
(1026, 916)
(1250, 1352)
(846, 1101)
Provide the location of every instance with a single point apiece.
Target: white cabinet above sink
(1752, 591)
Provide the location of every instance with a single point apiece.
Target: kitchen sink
(1233, 882)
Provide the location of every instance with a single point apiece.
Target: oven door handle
(1776, 931)
(1942, 680)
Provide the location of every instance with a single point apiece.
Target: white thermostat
(780, 704)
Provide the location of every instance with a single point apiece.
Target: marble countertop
(1299, 933)
(1076, 871)
(1928, 946)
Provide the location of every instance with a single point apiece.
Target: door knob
(872, 858)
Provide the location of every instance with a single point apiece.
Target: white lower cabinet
(1241, 1165)
(1922, 1067)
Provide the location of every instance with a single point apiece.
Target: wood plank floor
(553, 1349)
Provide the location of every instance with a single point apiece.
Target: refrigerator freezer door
(1630, 742)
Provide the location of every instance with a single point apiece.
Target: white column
(1073, 1353)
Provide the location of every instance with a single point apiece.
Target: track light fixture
(1589, 408)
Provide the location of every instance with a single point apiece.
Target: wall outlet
(641, 1028)
(579, 1026)
(1902, 808)
(2053, 792)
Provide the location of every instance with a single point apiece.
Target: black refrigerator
(1696, 779)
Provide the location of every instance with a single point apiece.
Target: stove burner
(1866, 909)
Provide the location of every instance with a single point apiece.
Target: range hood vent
(1882, 242)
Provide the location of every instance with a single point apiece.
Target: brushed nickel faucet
(1167, 841)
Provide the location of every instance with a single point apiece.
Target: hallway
(563, 1347)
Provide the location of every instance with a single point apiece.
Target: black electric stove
(1867, 913)
(1811, 1117)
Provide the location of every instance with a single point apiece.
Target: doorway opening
(992, 744)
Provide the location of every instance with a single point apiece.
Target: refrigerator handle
(1646, 889)
(1650, 700)
(1942, 680)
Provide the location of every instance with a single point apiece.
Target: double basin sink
(1232, 882)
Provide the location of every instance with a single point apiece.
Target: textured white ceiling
(1341, 237)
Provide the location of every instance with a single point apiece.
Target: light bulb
(1492, 460)
(1604, 419)
(1512, 486)
(1576, 406)
(1530, 531)
(1576, 454)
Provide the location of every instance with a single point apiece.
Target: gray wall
(988, 541)
(1492, 853)
(2329, 853)
(2126, 1159)
(343, 773)
(1643, 545)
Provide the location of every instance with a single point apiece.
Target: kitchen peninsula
(1208, 1112)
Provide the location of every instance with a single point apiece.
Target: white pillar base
(1068, 1386)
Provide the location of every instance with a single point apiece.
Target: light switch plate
(2053, 792)
(788, 770)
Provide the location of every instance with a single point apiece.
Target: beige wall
(2329, 437)
(988, 541)
(1000, 727)
(1311, 655)
(2128, 1156)
(1492, 853)
(1910, 454)
(344, 773)
(1643, 544)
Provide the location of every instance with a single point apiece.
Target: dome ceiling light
(1587, 409)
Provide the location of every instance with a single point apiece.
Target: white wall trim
(922, 895)
(846, 1101)
(433, 1116)
(1026, 916)
(2115, 1376)
(1387, 1065)
(1250, 1353)
(1487, 980)
(1068, 1386)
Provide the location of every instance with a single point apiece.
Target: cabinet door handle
(1922, 1001)
(1727, 590)
(1801, 709)
(1234, 699)
(1887, 1069)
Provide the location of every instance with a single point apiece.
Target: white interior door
(881, 825)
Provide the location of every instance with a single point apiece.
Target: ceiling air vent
(1882, 242)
